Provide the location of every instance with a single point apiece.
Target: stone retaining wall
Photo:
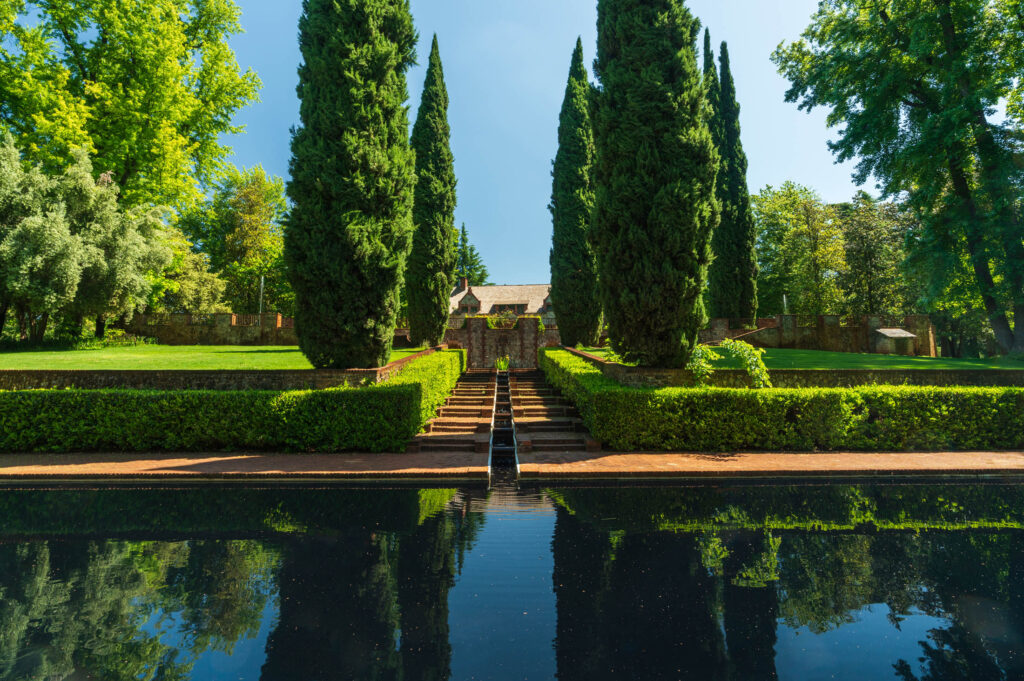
(300, 379)
(215, 329)
(809, 378)
(484, 345)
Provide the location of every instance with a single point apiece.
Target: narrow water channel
(851, 582)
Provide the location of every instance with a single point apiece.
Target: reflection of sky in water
(244, 661)
(502, 608)
(863, 650)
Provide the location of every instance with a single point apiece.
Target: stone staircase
(463, 424)
(545, 422)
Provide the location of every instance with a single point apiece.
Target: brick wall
(484, 345)
(215, 329)
(309, 379)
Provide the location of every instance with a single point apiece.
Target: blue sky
(506, 63)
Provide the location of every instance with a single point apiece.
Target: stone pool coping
(611, 465)
(534, 466)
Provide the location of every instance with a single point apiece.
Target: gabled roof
(532, 296)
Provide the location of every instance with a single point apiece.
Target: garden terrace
(868, 418)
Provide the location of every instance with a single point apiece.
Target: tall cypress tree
(428, 279)
(733, 282)
(714, 94)
(353, 176)
(656, 166)
(573, 267)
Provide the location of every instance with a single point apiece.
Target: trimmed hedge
(374, 418)
(874, 418)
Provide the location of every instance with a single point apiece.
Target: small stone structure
(299, 379)
(484, 345)
(215, 329)
(912, 335)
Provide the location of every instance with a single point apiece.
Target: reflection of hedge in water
(826, 507)
(219, 511)
(350, 570)
(618, 570)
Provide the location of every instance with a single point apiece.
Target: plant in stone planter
(503, 363)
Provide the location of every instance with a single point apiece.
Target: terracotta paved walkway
(667, 465)
(466, 465)
(459, 465)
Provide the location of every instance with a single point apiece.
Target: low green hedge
(874, 418)
(375, 418)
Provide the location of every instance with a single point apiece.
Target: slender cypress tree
(429, 276)
(655, 209)
(573, 267)
(733, 285)
(714, 94)
(353, 176)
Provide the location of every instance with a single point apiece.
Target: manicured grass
(814, 359)
(166, 357)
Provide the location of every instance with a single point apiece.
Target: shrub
(876, 418)
(375, 418)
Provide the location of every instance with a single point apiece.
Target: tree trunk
(101, 326)
(20, 315)
(979, 260)
(37, 327)
(4, 305)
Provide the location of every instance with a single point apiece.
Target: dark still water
(712, 583)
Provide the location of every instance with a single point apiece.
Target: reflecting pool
(855, 582)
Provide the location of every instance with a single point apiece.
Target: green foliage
(148, 89)
(503, 363)
(874, 234)
(573, 267)
(656, 165)
(352, 179)
(800, 252)
(428, 280)
(375, 418)
(732, 288)
(67, 248)
(702, 363)
(914, 89)
(878, 418)
(240, 228)
(186, 285)
(469, 264)
(751, 359)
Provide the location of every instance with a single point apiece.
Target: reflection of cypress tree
(426, 573)
(582, 556)
(338, 615)
(750, 615)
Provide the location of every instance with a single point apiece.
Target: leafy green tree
(468, 263)
(914, 89)
(873, 236)
(147, 88)
(800, 251)
(573, 267)
(733, 281)
(187, 285)
(353, 176)
(428, 279)
(240, 228)
(656, 165)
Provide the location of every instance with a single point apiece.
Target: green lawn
(165, 357)
(813, 359)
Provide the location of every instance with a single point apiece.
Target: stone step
(549, 425)
(544, 412)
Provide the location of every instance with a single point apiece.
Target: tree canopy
(146, 88)
(573, 266)
(469, 265)
(352, 180)
(429, 276)
(913, 89)
(656, 167)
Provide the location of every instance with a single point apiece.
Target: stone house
(529, 299)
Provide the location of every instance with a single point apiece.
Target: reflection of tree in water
(769, 562)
